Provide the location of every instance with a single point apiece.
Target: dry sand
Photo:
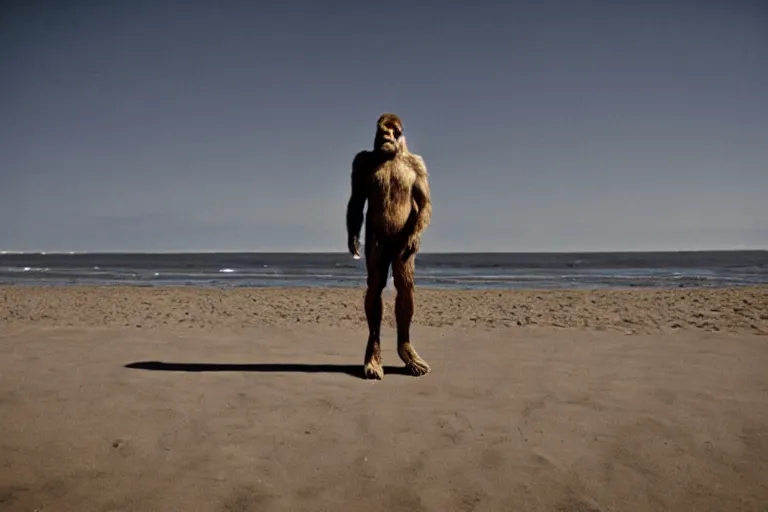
(138, 399)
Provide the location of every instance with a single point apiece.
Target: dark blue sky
(546, 125)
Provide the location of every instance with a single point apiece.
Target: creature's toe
(418, 367)
(373, 371)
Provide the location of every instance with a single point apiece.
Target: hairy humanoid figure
(394, 182)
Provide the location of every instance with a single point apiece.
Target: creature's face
(389, 135)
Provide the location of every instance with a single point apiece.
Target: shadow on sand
(354, 370)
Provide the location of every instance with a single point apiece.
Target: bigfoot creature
(394, 182)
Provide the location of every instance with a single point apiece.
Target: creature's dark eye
(397, 132)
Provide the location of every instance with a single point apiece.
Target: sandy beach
(184, 399)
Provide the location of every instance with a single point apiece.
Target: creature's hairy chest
(393, 178)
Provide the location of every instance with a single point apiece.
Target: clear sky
(160, 125)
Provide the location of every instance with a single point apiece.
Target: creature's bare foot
(418, 367)
(414, 364)
(373, 370)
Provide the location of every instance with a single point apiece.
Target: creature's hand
(411, 247)
(353, 244)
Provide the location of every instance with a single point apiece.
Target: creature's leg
(403, 275)
(377, 262)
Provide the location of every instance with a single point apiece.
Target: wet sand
(134, 399)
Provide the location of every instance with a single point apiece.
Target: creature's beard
(386, 147)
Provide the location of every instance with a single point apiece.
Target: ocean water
(457, 270)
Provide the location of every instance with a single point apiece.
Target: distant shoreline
(360, 285)
(341, 252)
(703, 269)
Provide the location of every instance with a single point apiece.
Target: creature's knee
(376, 284)
(403, 281)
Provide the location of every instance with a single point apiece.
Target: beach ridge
(736, 309)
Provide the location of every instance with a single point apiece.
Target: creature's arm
(355, 205)
(421, 196)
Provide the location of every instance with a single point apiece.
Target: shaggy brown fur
(394, 183)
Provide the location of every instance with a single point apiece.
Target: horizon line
(342, 252)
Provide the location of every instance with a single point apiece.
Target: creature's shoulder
(362, 162)
(416, 162)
